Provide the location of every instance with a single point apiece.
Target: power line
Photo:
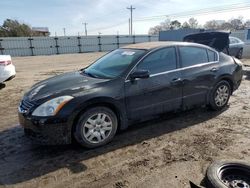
(207, 11)
(108, 27)
(131, 8)
(219, 9)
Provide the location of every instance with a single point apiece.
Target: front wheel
(97, 126)
(220, 95)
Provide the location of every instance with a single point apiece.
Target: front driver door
(159, 93)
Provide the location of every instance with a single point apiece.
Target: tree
(193, 23)
(212, 24)
(226, 26)
(237, 24)
(185, 25)
(166, 25)
(247, 24)
(175, 25)
(155, 30)
(13, 28)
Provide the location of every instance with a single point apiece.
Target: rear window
(192, 56)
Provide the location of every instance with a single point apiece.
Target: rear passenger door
(199, 70)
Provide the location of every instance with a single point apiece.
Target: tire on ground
(78, 131)
(212, 176)
(212, 103)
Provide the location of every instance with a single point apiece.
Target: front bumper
(45, 131)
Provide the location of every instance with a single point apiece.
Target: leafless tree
(193, 23)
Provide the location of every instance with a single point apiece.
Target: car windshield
(114, 63)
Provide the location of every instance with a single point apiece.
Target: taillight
(5, 63)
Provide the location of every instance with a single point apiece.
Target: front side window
(114, 63)
(159, 61)
(192, 56)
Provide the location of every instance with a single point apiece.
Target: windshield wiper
(89, 74)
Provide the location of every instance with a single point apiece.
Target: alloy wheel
(97, 128)
(221, 95)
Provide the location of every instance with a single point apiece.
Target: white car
(236, 47)
(7, 69)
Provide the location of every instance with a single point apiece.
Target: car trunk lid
(216, 40)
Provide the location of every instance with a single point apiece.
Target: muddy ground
(165, 152)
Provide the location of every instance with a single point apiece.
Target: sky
(111, 16)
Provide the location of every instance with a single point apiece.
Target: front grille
(25, 106)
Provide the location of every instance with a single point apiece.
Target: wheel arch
(225, 77)
(110, 103)
(229, 79)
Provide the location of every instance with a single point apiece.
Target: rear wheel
(220, 95)
(239, 55)
(96, 126)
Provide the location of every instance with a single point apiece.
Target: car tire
(96, 127)
(239, 54)
(220, 95)
(224, 174)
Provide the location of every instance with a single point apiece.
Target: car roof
(160, 44)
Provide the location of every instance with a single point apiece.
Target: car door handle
(177, 81)
(214, 69)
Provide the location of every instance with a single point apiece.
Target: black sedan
(127, 85)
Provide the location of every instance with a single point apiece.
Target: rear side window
(192, 56)
(232, 40)
(212, 56)
(160, 61)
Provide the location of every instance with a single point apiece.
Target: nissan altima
(124, 86)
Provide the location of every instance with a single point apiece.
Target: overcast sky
(109, 16)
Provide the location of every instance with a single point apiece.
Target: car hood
(64, 84)
(216, 40)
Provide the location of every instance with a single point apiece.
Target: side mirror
(140, 74)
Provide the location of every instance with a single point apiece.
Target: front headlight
(51, 107)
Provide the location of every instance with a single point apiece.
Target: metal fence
(32, 46)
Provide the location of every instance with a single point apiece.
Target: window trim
(152, 51)
(214, 56)
(180, 60)
(184, 68)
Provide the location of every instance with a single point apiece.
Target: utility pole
(85, 26)
(64, 31)
(129, 26)
(131, 8)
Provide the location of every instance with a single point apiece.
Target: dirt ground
(166, 152)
